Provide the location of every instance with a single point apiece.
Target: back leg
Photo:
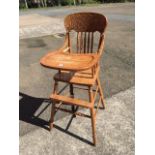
(93, 117)
(101, 93)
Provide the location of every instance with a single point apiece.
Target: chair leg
(71, 91)
(52, 116)
(53, 107)
(101, 93)
(72, 96)
(92, 113)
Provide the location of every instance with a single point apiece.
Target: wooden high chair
(80, 67)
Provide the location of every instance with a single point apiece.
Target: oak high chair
(78, 68)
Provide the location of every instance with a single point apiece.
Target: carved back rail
(85, 24)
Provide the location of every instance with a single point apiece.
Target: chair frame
(85, 31)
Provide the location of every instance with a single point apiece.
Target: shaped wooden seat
(81, 77)
(80, 67)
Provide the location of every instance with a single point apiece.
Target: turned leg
(72, 96)
(52, 115)
(53, 106)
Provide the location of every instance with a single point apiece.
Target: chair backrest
(85, 24)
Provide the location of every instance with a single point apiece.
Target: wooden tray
(65, 61)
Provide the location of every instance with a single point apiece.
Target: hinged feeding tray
(67, 61)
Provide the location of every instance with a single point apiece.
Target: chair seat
(71, 101)
(80, 77)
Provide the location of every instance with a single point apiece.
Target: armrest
(65, 47)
